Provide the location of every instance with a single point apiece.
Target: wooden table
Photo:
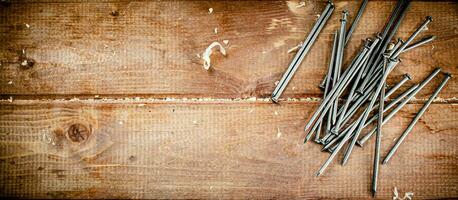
(113, 102)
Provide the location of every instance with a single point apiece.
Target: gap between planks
(453, 100)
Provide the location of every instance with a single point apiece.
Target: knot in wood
(78, 133)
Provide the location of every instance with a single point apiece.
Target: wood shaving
(251, 110)
(390, 46)
(295, 48)
(46, 138)
(208, 52)
(226, 42)
(27, 25)
(10, 82)
(10, 99)
(301, 4)
(216, 30)
(407, 195)
(24, 63)
(210, 10)
(278, 133)
(425, 28)
(276, 83)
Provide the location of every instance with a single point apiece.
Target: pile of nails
(355, 98)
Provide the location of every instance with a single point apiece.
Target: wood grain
(148, 49)
(208, 150)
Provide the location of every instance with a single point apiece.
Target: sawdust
(407, 195)
(297, 47)
(301, 4)
(210, 10)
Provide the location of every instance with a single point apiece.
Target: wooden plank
(219, 149)
(149, 49)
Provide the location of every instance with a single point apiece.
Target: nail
(378, 141)
(398, 85)
(419, 43)
(356, 21)
(302, 52)
(417, 117)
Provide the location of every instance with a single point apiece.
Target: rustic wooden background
(114, 102)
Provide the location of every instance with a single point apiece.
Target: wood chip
(208, 52)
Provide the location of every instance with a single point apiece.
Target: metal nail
(356, 21)
(302, 52)
(417, 117)
(379, 134)
(398, 85)
(419, 43)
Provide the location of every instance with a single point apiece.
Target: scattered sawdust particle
(407, 195)
(46, 138)
(96, 96)
(27, 25)
(301, 4)
(211, 187)
(10, 82)
(295, 48)
(317, 16)
(194, 122)
(390, 46)
(278, 133)
(251, 110)
(216, 30)
(10, 99)
(276, 82)
(226, 42)
(24, 63)
(294, 88)
(275, 112)
(121, 122)
(208, 52)
(141, 105)
(210, 10)
(23, 51)
(432, 47)
(137, 98)
(264, 52)
(425, 28)
(198, 55)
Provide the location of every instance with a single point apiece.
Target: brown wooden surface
(215, 146)
(202, 150)
(150, 48)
